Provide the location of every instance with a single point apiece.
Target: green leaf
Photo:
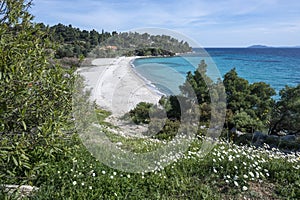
(24, 157)
(15, 161)
(24, 125)
(27, 165)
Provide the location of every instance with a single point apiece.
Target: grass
(102, 115)
(227, 172)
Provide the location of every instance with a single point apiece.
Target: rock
(22, 190)
(288, 138)
(233, 130)
(273, 137)
(259, 136)
(272, 141)
(244, 139)
(237, 132)
(281, 133)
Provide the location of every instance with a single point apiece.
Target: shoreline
(150, 85)
(116, 86)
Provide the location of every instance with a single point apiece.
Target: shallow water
(275, 66)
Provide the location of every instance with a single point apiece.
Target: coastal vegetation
(250, 108)
(286, 112)
(40, 147)
(73, 42)
(35, 97)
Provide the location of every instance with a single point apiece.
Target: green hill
(74, 42)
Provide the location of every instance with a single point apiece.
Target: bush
(35, 96)
(169, 130)
(140, 114)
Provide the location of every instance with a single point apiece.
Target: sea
(277, 67)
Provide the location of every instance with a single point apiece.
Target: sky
(204, 23)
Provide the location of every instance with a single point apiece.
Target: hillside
(74, 42)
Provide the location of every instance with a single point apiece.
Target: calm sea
(275, 66)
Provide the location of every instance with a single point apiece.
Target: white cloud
(227, 22)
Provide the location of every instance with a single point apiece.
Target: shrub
(140, 114)
(35, 96)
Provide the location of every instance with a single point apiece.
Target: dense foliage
(74, 42)
(198, 83)
(250, 107)
(227, 172)
(197, 87)
(286, 114)
(35, 96)
(149, 51)
(141, 113)
(131, 44)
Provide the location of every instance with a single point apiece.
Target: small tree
(198, 83)
(286, 115)
(140, 114)
(252, 102)
(261, 101)
(244, 122)
(237, 90)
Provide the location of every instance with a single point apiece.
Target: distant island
(264, 47)
(259, 46)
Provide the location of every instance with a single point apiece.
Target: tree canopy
(73, 42)
(286, 114)
(198, 83)
(35, 103)
(250, 105)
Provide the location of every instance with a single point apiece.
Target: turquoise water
(275, 66)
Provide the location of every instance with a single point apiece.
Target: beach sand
(116, 86)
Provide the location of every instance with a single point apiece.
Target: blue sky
(211, 23)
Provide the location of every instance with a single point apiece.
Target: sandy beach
(116, 86)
